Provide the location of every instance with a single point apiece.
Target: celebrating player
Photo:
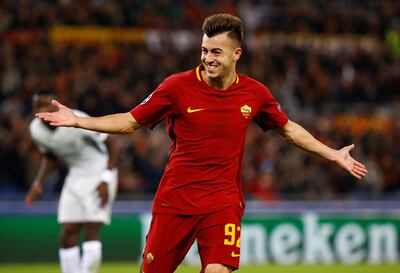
(208, 110)
(89, 188)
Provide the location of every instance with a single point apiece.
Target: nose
(208, 59)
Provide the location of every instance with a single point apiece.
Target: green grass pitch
(133, 268)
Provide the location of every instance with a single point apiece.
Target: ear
(238, 53)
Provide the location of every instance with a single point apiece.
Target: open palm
(63, 117)
(346, 161)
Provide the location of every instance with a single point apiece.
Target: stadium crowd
(330, 64)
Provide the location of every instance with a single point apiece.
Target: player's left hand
(34, 191)
(346, 161)
(102, 191)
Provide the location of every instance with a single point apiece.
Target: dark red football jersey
(207, 127)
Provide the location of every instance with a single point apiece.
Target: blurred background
(333, 65)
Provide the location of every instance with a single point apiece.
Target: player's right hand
(102, 191)
(63, 117)
(34, 191)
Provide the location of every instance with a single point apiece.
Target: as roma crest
(246, 111)
(149, 258)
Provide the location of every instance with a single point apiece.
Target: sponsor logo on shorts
(149, 258)
(234, 255)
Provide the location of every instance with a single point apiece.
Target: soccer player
(208, 110)
(89, 188)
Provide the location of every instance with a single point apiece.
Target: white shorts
(80, 203)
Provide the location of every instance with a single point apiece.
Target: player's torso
(214, 119)
(209, 130)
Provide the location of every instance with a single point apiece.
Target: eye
(217, 52)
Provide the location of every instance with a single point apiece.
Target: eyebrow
(212, 49)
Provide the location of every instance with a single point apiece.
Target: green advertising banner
(284, 239)
(310, 238)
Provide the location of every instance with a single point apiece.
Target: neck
(222, 82)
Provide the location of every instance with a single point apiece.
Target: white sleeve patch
(147, 99)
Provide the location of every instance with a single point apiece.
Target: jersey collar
(200, 79)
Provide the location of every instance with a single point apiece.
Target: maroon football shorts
(171, 236)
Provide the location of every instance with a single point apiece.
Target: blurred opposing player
(89, 188)
(208, 109)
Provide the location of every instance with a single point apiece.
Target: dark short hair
(223, 22)
(44, 91)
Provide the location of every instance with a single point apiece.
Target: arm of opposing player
(122, 123)
(47, 165)
(297, 135)
(114, 150)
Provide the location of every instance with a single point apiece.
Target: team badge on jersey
(149, 258)
(246, 111)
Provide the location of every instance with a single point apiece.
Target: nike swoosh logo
(233, 254)
(190, 110)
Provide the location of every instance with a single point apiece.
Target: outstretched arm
(123, 123)
(297, 135)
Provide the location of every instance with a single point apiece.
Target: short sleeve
(271, 115)
(41, 146)
(34, 131)
(157, 106)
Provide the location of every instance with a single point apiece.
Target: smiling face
(219, 55)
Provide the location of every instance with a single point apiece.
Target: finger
(57, 104)
(355, 174)
(350, 147)
(29, 198)
(360, 169)
(360, 172)
(103, 201)
(48, 117)
(55, 124)
(28, 201)
(359, 164)
(45, 116)
(41, 114)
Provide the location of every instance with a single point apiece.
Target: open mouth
(211, 67)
